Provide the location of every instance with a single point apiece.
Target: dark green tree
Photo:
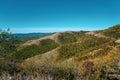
(7, 43)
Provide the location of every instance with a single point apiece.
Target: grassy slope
(113, 32)
(76, 49)
(32, 50)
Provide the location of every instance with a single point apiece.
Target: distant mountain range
(29, 36)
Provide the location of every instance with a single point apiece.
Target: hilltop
(73, 55)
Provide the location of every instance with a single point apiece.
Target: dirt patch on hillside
(96, 34)
(117, 41)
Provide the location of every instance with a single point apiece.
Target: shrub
(65, 38)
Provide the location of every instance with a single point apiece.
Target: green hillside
(80, 55)
(85, 45)
(113, 31)
(66, 38)
(33, 50)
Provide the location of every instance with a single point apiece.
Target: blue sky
(24, 16)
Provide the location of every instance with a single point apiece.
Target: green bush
(7, 43)
(9, 66)
(65, 38)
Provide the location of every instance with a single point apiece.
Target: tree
(7, 43)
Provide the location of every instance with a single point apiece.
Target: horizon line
(49, 30)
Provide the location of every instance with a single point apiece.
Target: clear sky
(58, 15)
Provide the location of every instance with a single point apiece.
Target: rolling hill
(72, 55)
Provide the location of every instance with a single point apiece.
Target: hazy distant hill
(29, 36)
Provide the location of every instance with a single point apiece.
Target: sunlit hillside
(83, 55)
